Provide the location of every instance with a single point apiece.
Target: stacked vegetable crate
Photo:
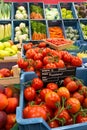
(23, 13)
(26, 27)
(63, 23)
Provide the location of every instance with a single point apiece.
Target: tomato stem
(63, 101)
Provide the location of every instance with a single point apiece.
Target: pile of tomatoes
(38, 56)
(57, 105)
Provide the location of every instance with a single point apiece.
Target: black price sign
(55, 75)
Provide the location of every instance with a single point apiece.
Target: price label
(56, 75)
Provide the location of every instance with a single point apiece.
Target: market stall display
(51, 49)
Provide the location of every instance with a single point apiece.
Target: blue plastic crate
(69, 6)
(34, 42)
(38, 21)
(83, 21)
(75, 25)
(16, 5)
(41, 4)
(78, 11)
(16, 23)
(5, 22)
(58, 23)
(39, 123)
(48, 6)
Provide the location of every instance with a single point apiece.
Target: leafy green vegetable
(5, 10)
(38, 27)
(36, 8)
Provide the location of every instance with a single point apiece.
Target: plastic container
(58, 23)
(84, 31)
(15, 8)
(75, 25)
(81, 12)
(49, 12)
(6, 30)
(5, 11)
(16, 23)
(40, 4)
(40, 27)
(34, 42)
(69, 7)
(39, 123)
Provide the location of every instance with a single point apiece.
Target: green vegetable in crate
(21, 13)
(66, 13)
(38, 30)
(5, 10)
(36, 12)
(51, 13)
(84, 30)
(5, 30)
(72, 33)
(72, 48)
(21, 32)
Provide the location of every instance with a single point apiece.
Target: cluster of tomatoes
(39, 56)
(58, 106)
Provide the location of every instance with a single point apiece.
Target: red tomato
(67, 57)
(27, 46)
(31, 62)
(36, 49)
(30, 53)
(60, 64)
(52, 99)
(81, 119)
(29, 93)
(38, 73)
(79, 83)
(63, 92)
(22, 63)
(78, 96)
(69, 121)
(72, 86)
(55, 54)
(52, 86)
(46, 51)
(42, 45)
(50, 66)
(38, 99)
(73, 105)
(5, 72)
(76, 61)
(37, 83)
(38, 56)
(43, 92)
(38, 64)
(8, 92)
(48, 111)
(36, 112)
(53, 124)
(85, 103)
(62, 114)
(29, 68)
(83, 91)
(25, 111)
(48, 59)
(67, 80)
(63, 53)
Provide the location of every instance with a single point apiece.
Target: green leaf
(15, 127)
(17, 86)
